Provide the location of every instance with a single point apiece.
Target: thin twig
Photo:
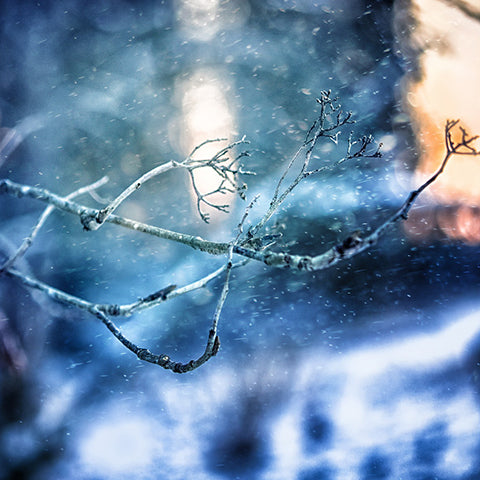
(213, 343)
(216, 163)
(250, 246)
(160, 296)
(227, 172)
(104, 213)
(354, 244)
(62, 203)
(323, 127)
(27, 242)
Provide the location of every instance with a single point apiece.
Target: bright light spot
(286, 445)
(203, 96)
(447, 39)
(203, 19)
(206, 107)
(388, 142)
(119, 446)
(463, 223)
(206, 115)
(416, 352)
(199, 17)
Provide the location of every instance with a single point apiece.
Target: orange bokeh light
(446, 36)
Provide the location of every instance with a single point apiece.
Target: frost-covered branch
(27, 242)
(226, 169)
(83, 212)
(327, 125)
(166, 293)
(254, 243)
(356, 243)
(103, 312)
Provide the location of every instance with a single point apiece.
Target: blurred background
(369, 370)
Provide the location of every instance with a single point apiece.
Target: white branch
(250, 244)
(62, 203)
(104, 213)
(217, 163)
(27, 242)
(100, 311)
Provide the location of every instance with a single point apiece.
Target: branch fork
(257, 242)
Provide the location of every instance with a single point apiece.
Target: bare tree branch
(27, 242)
(219, 163)
(164, 294)
(354, 244)
(327, 125)
(255, 243)
(102, 311)
(62, 203)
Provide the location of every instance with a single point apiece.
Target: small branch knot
(349, 243)
(163, 360)
(89, 221)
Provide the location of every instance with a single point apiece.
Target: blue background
(368, 370)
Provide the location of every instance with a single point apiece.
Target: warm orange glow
(420, 224)
(462, 223)
(468, 224)
(448, 39)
